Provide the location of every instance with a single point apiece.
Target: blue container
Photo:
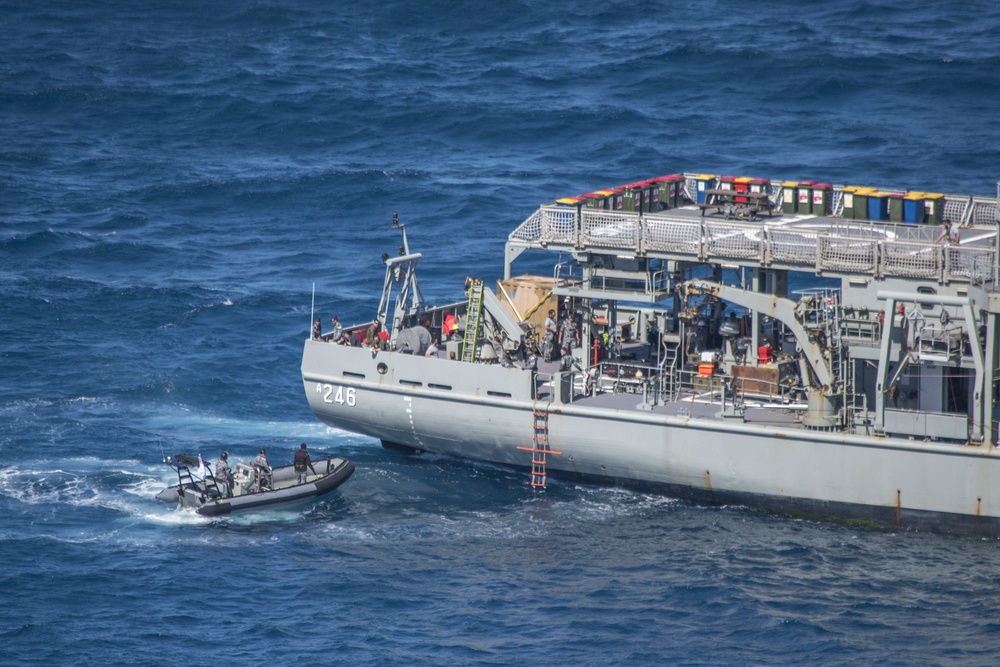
(913, 207)
(705, 182)
(877, 206)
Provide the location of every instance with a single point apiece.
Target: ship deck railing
(816, 244)
(662, 385)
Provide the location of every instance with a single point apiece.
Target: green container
(677, 195)
(933, 208)
(667, 187)
(861, 203)
(598, 199)
(803, 200)
(789, 196)
(895, 208)
(632, 197)
(821, 194)
(847, 194)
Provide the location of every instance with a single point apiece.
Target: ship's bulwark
(485, 413)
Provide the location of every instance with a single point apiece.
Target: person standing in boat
(949, 232)
(317, 330)
(223, 475)
(302, 463)
(263, 468)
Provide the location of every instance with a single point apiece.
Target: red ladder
(540, 449)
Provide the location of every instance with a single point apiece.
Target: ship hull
(487, 413)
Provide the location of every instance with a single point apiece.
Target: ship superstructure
(741, 340)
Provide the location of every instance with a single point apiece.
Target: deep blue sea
(175, 177)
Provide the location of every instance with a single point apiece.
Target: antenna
(312, 309)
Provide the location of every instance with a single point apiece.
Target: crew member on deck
(372, 338)
(949, 232)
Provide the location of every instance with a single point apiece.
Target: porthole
(382, 368)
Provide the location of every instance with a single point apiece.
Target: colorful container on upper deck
(704, 182)
(671, 190)
(803, 204)
(847, 199)
(789, 196)
(650, 195)
(616, 198)
(913, 207)
(726, 183)
(895, 200)
(760, 185)
(861, 202)
(596, 199)
(741, 184)
(820, 196)
(878, 205)
(632, 197)
(933, 208)
(573, 202)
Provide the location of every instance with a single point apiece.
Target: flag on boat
(202, 468)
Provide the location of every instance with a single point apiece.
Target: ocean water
(175, 180)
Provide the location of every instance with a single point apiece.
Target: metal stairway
(540, 449)
(473, 319)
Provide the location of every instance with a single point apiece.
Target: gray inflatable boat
(253, 487)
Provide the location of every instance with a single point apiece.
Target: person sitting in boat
(302, 463)
(222, 474)
(263, 467)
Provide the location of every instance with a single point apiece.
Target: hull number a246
(337, 394)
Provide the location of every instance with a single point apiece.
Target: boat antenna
(312, 308)
(402, 228)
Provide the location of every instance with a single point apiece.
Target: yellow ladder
(540, 448)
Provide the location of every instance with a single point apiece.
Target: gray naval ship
(813, 349)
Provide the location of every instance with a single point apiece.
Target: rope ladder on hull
(540, 448)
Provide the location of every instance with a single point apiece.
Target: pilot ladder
(540, 449)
